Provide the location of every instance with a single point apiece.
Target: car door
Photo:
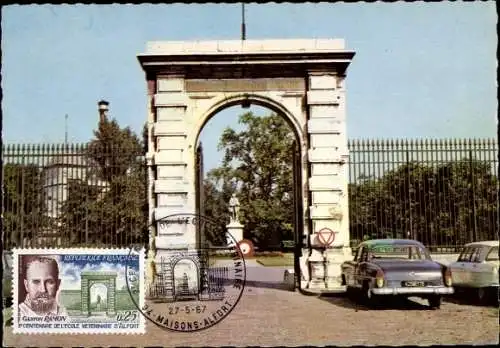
(489, 268)
(359, 271)
(470, 269)
(458, 267)
(349, 269)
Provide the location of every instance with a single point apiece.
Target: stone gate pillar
(84, 296)
(328, 157)
(111, 305)
(173, 163)
(301, 80)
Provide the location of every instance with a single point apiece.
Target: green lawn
(270, 261)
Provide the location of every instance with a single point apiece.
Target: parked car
(476, 270)
(396, 267)
(7, 278)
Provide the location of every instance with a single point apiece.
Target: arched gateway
(301, 80)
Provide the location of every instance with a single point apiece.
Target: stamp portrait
(78, 291)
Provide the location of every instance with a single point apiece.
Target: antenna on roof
(66, 128)
(243, 27)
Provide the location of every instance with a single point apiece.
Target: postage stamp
(78, 291)
(194, 287)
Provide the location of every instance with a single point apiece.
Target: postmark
(196, 286)
(77, 291)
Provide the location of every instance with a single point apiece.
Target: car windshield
(407, 252)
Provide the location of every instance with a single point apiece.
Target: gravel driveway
(270, 316)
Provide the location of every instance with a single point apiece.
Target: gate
(298, 218)
(200, 197)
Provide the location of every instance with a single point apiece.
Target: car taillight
(379, 279)
(447, 277)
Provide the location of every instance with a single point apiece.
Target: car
(7, 278)
(385, 268)
(476, 271)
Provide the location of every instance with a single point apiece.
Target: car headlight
(379, 279)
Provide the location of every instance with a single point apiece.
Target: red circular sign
(326, 236)
(246, 247)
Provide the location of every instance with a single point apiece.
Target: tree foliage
(215, 206)
(257, 167)
(109, 205)
(23, 208)
(451, 204)
(447, 204)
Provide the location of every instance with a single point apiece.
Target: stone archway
(302, 80)
(108, 279)
(192, 275)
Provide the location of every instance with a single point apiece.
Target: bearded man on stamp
(41, 282)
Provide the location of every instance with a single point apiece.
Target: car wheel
(481, 295)
(367, 294)
(349, 292)
(343, 280)
(494, 297)
(369, 298)
(434, 302)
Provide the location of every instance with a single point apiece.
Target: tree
(470, 191)
(454, 203)
(216, 207)
(23, 203)
(257, 166)
(110, 205)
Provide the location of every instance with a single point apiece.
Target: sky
(420, 70)
(71, 270)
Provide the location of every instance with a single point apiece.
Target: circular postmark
(194, 278)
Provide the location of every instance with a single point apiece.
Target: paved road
(275, 317)
(262, 276)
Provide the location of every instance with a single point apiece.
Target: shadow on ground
(463, 299)
(384, 304)
(267, 285)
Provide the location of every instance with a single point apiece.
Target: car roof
(489, 243)
(375, 242)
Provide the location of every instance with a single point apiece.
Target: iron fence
(441, 192)
(58, 195)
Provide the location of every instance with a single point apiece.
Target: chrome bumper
(441, 290)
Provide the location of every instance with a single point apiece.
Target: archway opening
(98, 299)
(186, 280)
(253, 150)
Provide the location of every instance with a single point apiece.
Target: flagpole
(66, 128)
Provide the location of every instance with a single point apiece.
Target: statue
(234, 228)
(98, 305)
(234, 208)
(185, 283)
